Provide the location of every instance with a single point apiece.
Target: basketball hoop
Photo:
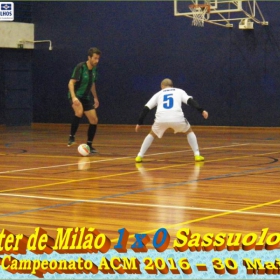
(199, 12)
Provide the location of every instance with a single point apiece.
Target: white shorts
(160, 127)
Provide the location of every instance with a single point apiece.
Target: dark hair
(92, 51)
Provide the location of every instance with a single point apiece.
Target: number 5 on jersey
(168, 101)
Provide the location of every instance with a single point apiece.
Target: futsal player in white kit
(169, 114)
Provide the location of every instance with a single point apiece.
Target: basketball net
(199, 12)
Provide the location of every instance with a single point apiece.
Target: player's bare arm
(71, 86)
(94, 93)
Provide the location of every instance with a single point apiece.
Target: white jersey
(169, 104)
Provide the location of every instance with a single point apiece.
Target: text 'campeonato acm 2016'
(90, 240)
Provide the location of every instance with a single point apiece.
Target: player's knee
(153, 134)
(189, 130)
(94, 120)
(79, 114)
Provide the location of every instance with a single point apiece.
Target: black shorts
(87, 104)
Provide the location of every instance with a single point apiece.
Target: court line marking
(207, 218)
(241, 210)
(37, 155)
(112, 159)
(136, 171)
(31, 178)
(209, 148)
(140, 204)
(56, 166)
(137, 191)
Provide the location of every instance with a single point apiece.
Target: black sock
(91, 133)
(74, 125)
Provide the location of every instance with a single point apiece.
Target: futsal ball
(84, 150)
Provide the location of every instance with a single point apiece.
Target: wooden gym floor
(43, 183)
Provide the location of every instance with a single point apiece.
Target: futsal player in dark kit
(81, 86)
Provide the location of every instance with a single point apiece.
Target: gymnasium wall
(232, 73)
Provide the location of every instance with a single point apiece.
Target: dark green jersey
(85, 78)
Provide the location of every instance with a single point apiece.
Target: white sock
(193, 143)
(146, 144)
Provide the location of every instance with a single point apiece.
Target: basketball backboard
(221, 12)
